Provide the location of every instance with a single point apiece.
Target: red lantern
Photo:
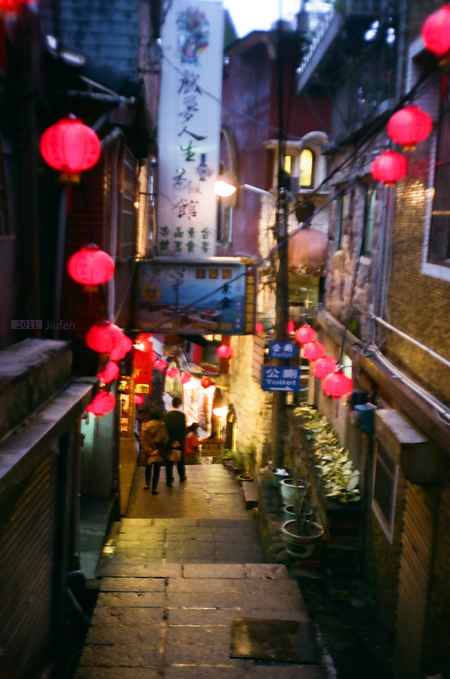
(305, 334)
(103, 336)
(103, 403)
(225, 351)
(337, 385)
(138, 399)
(259, 328)
(90, 266)
(155, 357)
(206, 382)
(324, 366)
(389, 167)
(409, 126)
(290, 327)
(185, 378)
(70, 147)
(436, 31)
(172, 372)
(11, 6)
(160, 364)
(109, 373)
(313, 351)
(121, 348)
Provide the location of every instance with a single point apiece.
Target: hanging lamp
(337, 385)
(436, 31)
(389, 167)
(409, 126)
(102, 403)
(70, 147)
(109, 373)
(305, 334)
(91, 266)
(313, 351)
(324, 366)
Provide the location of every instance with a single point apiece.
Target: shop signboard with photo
(202, 298)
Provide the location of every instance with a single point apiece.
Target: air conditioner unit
(363, 417)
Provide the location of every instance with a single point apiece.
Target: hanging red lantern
(70, 147)
(206, 382)
(185, 378)
(225, 351)
(160, 364)
(337, 385)
(11, 7)
(436, 31)
(155, 357)
(103, 403)
(172, 372)
(290, 327)
(109, 373)
(389, 167)
(103, 336)
(324, 366)
(91, 266)
(121, 348)
(305, 334)
(409, 126)
(259, 328)
(138, 399)
(313, 351)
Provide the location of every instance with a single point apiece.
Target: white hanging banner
(189, 129)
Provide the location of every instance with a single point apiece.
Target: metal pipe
(424, 348)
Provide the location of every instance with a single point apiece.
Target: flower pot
(301, 545)
(245, 477)
(278, 475)
(289, 512)
(292, 490)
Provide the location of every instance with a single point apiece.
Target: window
(128, 217)
(306, 164)
(439, 238)
(224, 222)
(339, 222)
(384, 489)
(370, 197)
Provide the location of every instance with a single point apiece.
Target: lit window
(306, 168)
(439, 240)
(287, 165)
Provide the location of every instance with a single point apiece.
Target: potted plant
(303, 533)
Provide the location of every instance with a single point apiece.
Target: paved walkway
(184, 593)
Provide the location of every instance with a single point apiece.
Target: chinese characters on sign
(280, 378)
(196, 298)
(282, 350)
(189, 129)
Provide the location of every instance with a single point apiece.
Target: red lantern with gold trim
(70, 147)
(389, 167)
(409, 126)
(436, 31)
(91, 266)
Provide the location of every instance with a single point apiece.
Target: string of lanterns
(410, 125)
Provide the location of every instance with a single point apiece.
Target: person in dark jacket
(154, 440)
(175, 422)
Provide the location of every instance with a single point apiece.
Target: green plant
(339, 476)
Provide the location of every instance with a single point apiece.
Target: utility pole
(279, 420)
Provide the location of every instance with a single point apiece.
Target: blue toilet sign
(282, 349)
(280, 378)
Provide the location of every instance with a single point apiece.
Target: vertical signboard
(189, 129)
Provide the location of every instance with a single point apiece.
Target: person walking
(154, 440)
(192, 444)
(175, 421)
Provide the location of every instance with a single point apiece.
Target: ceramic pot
(301, 546)
(278, 475)
(292, 491)
(289, 512)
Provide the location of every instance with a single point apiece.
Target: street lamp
(225, 188)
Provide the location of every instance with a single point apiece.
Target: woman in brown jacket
(154, 439)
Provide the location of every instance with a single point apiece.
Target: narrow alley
(184, 592)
